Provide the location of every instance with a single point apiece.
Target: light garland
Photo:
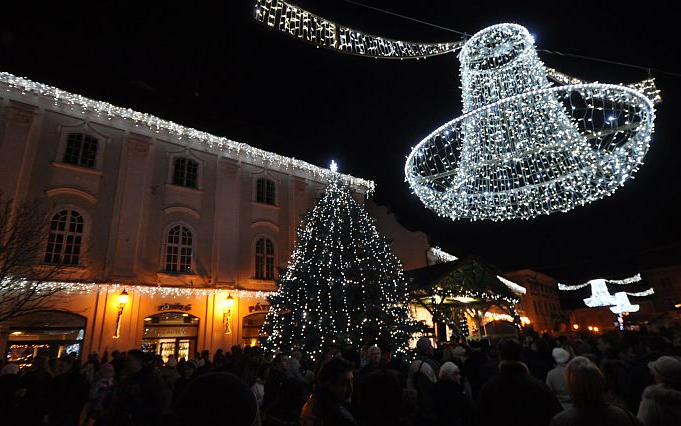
(303, 25)
(192, 137)
(441, 256)
(600, 295)
(524, 148)
(78, 288)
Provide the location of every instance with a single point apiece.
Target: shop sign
(259, 308)
(175, 307)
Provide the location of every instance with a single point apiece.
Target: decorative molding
(182, 210)
(228, 167)
(266, 206)
(180, 188)
(79, 169)
(54, 192)
(265, 223)
(139, 144)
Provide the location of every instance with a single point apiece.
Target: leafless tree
(24, 229)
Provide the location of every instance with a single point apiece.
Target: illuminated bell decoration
(523, 147)
(622, 304)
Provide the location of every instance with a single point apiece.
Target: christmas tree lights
(343, 285)
(524, 148)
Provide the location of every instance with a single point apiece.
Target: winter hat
(448, 370)
(10, 368)
(668, 368)
(214, 399)
(560, 355)
(423, 344)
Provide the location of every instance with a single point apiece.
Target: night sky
(215, 69)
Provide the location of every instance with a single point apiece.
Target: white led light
(523, 148)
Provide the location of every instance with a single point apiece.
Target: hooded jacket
(661, 405)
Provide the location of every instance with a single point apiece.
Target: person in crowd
(303, 366)
(379, 398)
(473, 366)
(118, 362)
(10, 385)
(514, 397)
(588, 394)
(258, 387)
(101, 391)
(186, 374)
(168, 371)
(278, 373)
(37, 381)
(68, 394)
(364, 355)
(285, 410)
(616, 367)
(141, 396)
(328, 403)
(423, 374)
(661, 404)
(374, 357)
(216, 398)
(90, 367)
(452, 406)
(640, 377)
(555, 378)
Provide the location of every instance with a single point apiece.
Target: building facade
(188, 229)
(540, 304)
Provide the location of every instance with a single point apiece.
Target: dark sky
(215, 69)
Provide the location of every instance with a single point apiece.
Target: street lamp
(227, 313)
(123, 299)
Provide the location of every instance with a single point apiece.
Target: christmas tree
(343, 284)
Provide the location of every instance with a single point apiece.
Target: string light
(193, 138)
(77, 288)
(523, 148)
(306, 26)
(600, 295)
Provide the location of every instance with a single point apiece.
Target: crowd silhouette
(618, 378)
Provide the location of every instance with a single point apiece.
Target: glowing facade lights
(196, 139)
(524, 148)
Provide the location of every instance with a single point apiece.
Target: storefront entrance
(47, 333)
(171, 333)
(252, 324)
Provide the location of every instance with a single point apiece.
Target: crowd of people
(619, 378)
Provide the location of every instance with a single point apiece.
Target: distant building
(540, 303)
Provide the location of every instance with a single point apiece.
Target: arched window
(179, 250)
(265, 191)
(81, 150)
(65, 238)
(186, 173)
(264, 259)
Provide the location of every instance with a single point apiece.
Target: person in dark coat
(218, 398)
(278, 373)
(588, 394)
(37, 381)
(10, 383)
(68, 394)
(661, 404)
(285, 410)
(332, 394)
(141, 396)
(453, 407)
(514, 397)
(379, 398)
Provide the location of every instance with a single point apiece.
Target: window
(265, 192)
(186, 173)
(179, 250)
(81, 150)
(65, 238)
(264, 259)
